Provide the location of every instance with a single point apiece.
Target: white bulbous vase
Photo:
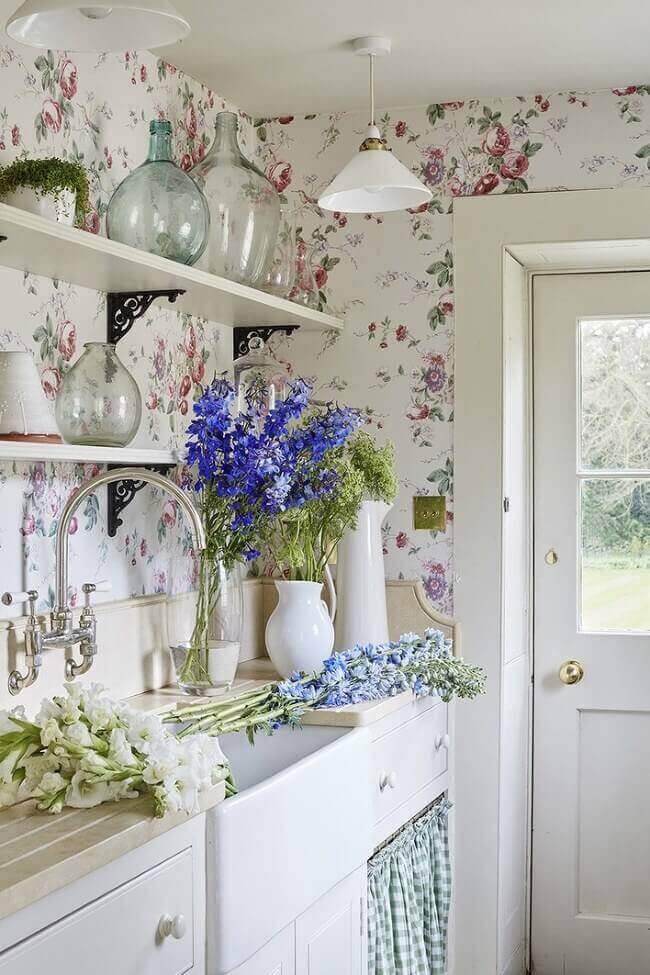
(300, 631)
(360, 580)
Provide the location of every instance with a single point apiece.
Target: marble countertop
(41, 852)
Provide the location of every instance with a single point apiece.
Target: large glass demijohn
(159, 208)
(244, 209)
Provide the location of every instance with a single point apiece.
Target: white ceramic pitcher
(300, 631)
(360, 581)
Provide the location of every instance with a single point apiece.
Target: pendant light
(88, 25)
(374, 181)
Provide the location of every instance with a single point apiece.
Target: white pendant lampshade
(374, 181)
(86, 25)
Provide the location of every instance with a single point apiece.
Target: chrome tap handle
(88, 625)
(88, 588)
(9, 598)
(33, 645)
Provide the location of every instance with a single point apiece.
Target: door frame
(500, 243)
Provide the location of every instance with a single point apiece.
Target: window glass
(615, 394)
(615, 554)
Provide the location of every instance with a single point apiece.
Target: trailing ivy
(49, 177)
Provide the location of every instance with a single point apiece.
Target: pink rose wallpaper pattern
(97, 109)
(392, 275)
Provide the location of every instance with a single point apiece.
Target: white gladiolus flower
(119, 749)
(36, 767)
(144, 730)
(79, 733)
(50, 783)
(50, 732)
(162, 761)
(101, 714)
(122, 790)
(59, 760)
(85, 793)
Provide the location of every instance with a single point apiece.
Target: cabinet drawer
(408, 758)
(119, 932)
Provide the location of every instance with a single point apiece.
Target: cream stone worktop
(41, 852)
(256, 673)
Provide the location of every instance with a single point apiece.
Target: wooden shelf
(33, 452)
(42, 247)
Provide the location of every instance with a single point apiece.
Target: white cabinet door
(278, 957)
(120, 933)
(331, 935)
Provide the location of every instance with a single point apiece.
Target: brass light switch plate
(430, 512)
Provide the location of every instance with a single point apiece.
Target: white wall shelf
(63, 452)
(42, 247)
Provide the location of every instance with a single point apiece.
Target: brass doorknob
(571, 672)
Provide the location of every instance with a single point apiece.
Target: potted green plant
(56, 189)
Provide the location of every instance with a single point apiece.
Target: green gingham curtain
(409, 890)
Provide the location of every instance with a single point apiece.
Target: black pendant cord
(241, 336)
(123, 308)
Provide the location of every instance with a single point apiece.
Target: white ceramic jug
(360, 581)
(300, 631)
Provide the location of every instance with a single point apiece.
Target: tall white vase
(360, 582)
(299, 631)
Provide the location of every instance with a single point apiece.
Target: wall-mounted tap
(62, 633)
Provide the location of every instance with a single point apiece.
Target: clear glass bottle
(281, 274)
(260, 380)
(159, 208)
(244, 209)
(305, 289)
(98, 402)
(204, 623)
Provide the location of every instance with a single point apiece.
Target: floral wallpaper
(392, 276)
(97, 109)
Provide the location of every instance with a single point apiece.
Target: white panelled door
(591, 791)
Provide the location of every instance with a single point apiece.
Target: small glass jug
(281, 274)
(98, 403)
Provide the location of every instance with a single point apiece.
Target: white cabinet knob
(387, 780)
(175, 926)
(441, 741)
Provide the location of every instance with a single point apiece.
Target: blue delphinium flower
(250, 467)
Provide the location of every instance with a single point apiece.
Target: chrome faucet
(62, 633)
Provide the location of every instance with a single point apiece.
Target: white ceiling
(292, 56)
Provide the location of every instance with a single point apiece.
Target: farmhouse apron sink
(300, 823)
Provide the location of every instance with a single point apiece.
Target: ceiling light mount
(374, 46)
(374, 181)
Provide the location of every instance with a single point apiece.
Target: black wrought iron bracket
(123, 308)
(242, 335)
(122, 493)
(2, 238)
